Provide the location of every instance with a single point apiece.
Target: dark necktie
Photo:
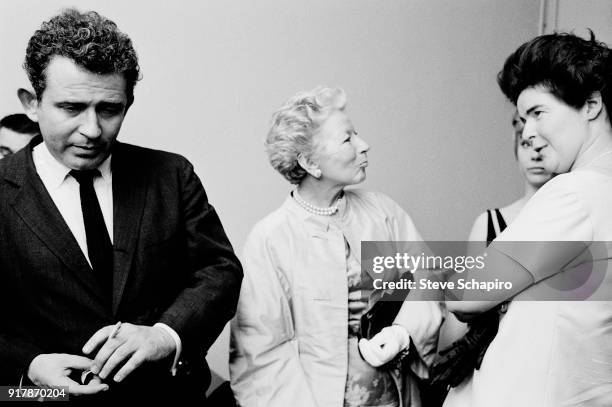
(99, 246)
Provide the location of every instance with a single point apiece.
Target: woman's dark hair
(570, 67)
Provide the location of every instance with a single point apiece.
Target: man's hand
(53, 369)
(385, 345)
(131, 346)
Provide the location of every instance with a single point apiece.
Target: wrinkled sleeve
(265, 367)
(549, 233)
(212, 278)
(15, 356)
(399, 222)
(422, 319)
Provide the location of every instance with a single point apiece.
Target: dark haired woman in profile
(553, 353)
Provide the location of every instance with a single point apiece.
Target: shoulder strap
(490, 228)
(500, 220)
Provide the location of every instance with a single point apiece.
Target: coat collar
(34, 205)
(318, 225)
(130, 186)
(356, 219)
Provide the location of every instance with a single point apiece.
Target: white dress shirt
(64, 191)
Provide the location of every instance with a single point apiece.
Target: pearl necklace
(316, 209)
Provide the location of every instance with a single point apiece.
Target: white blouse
(553, 353)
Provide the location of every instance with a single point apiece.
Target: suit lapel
(34, 205)
(129, 194)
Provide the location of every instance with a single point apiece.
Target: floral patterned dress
(366, 386)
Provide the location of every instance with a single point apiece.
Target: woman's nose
(362, 146)
(537, 145)
(529, 129)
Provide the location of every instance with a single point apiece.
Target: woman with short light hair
(295, 338)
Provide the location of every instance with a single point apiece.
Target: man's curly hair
(90, 40)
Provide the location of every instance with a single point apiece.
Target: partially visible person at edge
(294, 338)
(553, 353)
(16, 131)
(117, 275)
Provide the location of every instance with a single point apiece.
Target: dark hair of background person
(570, 67)
(90, 40)
(20, 123)
(517, 131)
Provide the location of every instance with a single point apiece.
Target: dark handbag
(382, 314)
(465, 355)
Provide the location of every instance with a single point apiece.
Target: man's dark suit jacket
(173, 264)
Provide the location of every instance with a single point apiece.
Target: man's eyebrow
(69, 103)
(112, 103)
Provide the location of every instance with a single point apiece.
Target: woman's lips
(536, 170)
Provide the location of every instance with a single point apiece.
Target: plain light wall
(419, 75)
(580, 15)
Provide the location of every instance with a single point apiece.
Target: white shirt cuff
(177, 343)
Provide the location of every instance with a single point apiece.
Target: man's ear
(309, 165)
(594, 105)
(29, 101)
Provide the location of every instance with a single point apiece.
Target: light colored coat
(289, 337)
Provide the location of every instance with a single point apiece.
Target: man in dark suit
(116, 273)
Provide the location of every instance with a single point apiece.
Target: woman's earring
(317, 174)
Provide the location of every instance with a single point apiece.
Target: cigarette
(86, 377)
(115, 330)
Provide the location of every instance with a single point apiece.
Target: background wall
(419, 74)
(578, 16)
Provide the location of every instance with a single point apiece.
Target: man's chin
(80, 162)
